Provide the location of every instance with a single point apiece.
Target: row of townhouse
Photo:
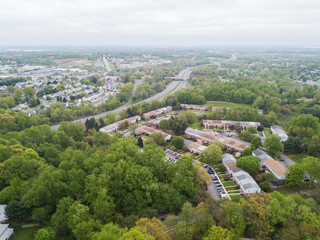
(205, 137)
(149, 130)
(114, 127)
(156, 121)
(242, 178)
(157, 112)
(193, 147)
(227, 124)
(277, 168)
(194, 107)
(230, 144)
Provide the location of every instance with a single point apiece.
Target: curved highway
(184, 73)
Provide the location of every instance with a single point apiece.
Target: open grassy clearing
(297, 157)
(227, 104)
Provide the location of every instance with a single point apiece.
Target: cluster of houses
(114, 127)
(143, 129)
(277, 168)
(242, 178)
(5, 231)
(157, 112)
(207, 137)
(227, 124)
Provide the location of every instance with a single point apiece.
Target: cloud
(153, 22)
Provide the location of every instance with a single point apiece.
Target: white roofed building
(275, 129)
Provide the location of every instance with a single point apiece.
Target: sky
(183, 23)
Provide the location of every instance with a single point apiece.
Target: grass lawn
(297, 157)
(231, 188)
(227, 104)
(291, 191)
(25, 233)
(196, 126)
(30, 233)
(226, 184)
(267, 131)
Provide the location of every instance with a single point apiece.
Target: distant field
(227, 104)
(72, 61)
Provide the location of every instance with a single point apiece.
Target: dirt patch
(30, 225)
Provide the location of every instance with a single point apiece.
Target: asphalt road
(287, 160)
(185, 73)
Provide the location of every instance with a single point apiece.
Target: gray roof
(258, 152)
(2, 213)
(227, 158)
(186, 142)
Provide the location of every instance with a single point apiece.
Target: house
(227, 124)
(110, 128)
(115, 126)
(242, 178)
(277, 168)
(194, 107)
(157, 112)
(193, 148)
(3, 217)
(235, 145)
(230, 144)
(149, 130)
(5, 232)
(275, 129)
(193, 133)
(131, 120)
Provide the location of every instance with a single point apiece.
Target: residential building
(277, 168)
(110, 128)
(242, 178)
(157, 112)
(3, 217)
(275, 129)
(235, 145)
(194, 107)
(149, 130)
(226, 124)
(114, 127)
(5, 232)
(230, 144)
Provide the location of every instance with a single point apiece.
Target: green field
(297, 157)
(227, 104)
(25, 233)
(292, 191)
(30, 233)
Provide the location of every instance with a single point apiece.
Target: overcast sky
(160, 22)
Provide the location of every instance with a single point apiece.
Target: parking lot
(216, 189)
(172, 156)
